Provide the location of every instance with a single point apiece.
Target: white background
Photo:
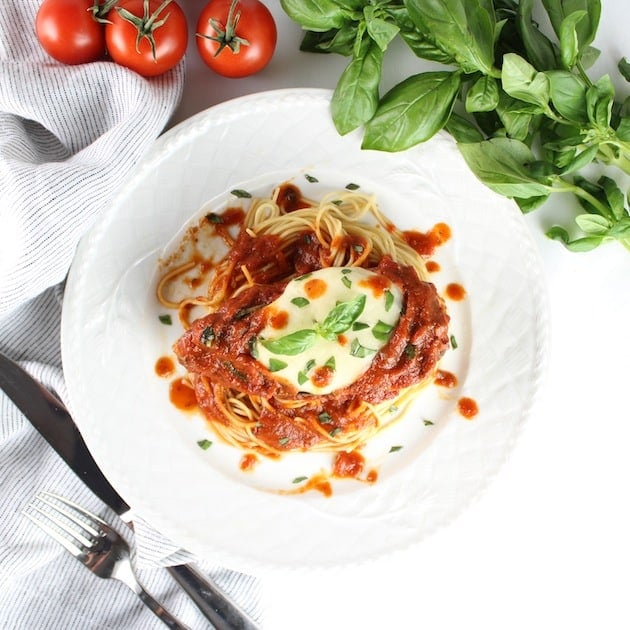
(548, 544)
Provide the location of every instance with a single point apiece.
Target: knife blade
(53, 421)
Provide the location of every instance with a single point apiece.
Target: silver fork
(94, 543)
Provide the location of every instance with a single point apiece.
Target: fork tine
(71, 516)
(71, 504)
(55, 535)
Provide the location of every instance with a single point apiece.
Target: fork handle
(165, 616)
(223, 613)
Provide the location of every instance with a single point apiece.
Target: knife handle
(223, 613)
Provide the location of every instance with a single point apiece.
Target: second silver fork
(94, 543)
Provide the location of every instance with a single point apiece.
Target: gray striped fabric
(69, 135)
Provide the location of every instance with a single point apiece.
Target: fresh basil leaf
(204, 444)
(483, 96)
(599, 102)
(464, 29)
(540, 50)
(381, 31)
(624, 68)
(412, 112)
(389, 300)
(315, 15)
(581, 160)
(516, 116)
(166, 319)
(355, 97)
(584, 244)
(585, 28)
(569, 40)
(292, 344)
(341, 317)
(331, 364)
(462, 129)
(522, 81)
(614, 197)
(502, 164)
(531, 203)
(359, 326)
(335, 40)
(568, 95)
(241, 194)
(593, 224)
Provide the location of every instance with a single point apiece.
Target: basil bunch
(519, 102)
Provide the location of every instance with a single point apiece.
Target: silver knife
(53, 421)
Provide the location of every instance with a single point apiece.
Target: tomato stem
(226, 35)
(100, 11)
(146, 24)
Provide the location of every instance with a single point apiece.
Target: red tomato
(68, 31)
(168, 30)
(236, 38)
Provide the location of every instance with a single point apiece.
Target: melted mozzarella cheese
(325, 329)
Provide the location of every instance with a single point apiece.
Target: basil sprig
(527, 116)
(339, 320)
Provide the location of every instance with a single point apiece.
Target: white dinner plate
(112, 337)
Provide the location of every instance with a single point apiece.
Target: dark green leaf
(585, 28)
(540, 50)
(166, 319)
(291, 344)
(300, 479)
(483, 96)
(395, 449)
(624, 68)
(412, 112)
(339, 41)
(315, 15)
(462, 129)
(464, 29)
(355, 98)
(242, 194)
(531, 203)
(204, 444)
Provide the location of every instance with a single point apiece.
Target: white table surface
(548, 544)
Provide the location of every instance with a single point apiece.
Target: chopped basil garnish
(428, 423)
(389, 299)
(204, 444)
(241, 194)
(360, 326)
(331, 364)
(302, 378)
(324, 418)
(334, 431)
(453, 342)
(300, 479)
(166, 319)
(213, 217)
(207, 336)
(311, 178)
(394, 449)
(275, 365)
(359, 351)
(381, 330)
(346, 282)
(283, 441)
(352, 186)
(300, 302)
